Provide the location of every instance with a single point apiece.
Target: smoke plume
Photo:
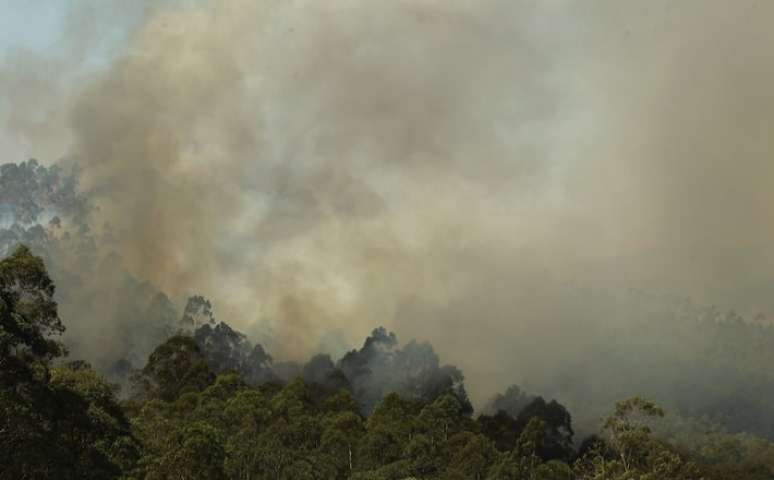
(499, 177)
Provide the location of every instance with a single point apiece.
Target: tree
(63, 422)
(28, 320)
(247, 415)
(631, 452)
(512, 401)
(341, 434)
(629, 430)
(501, 428)
(194, 451)
(471, 455)
(441, 418)
(28, 312)
(175, 367)
(90, 420)
(390, 427)
(557, 441)
(523, 462)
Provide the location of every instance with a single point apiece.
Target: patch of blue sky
(31, 24)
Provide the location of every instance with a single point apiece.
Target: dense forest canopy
(198, 411)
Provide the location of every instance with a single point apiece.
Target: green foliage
(557, 433)
(28, 312)
(95, 423)
(177, 366)
(54, 423)
(629, 430)
(185, 422)
(632, 453)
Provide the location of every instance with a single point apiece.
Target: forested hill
(697, 361)
(209, 405)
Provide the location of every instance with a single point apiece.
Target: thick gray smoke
(113, 319)
(495, 176)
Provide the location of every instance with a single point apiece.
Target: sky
(53, 46)
(25, 25)
(34, 24)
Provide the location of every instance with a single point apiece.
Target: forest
(207, 405)
(386, 240)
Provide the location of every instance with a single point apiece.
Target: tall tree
(175, 367)
(54, 423)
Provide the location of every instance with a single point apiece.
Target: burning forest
(493, 240)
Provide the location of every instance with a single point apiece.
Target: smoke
(102, 304)
(493, 176)
(381, 367)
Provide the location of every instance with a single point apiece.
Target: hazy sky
(34, 24)
(456, 170)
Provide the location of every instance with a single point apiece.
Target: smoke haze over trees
(573, 198)
(193, 417)
(700, 362)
